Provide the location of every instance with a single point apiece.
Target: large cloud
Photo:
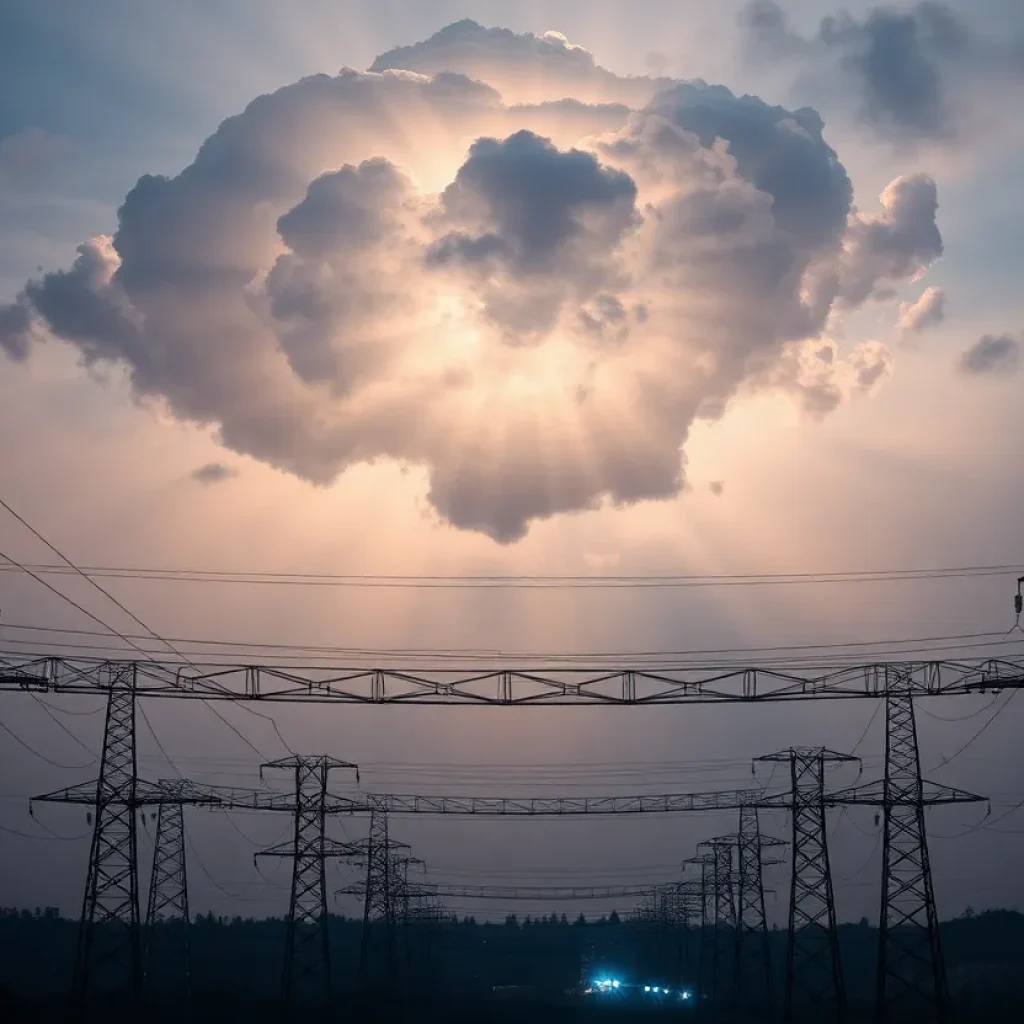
(534, 302)
(523, 67)
(916, 71)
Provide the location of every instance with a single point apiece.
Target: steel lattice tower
(380, 901)
(167, 916)
(753, 969)
(306, 977)
(911, 974)
(814, 986)
(109, 953)
(706, 863)
(723, 921)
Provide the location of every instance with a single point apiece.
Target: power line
(959, 718)
(71, 565)
(985, 725)
(457, 652)
(829, 657)
(60, 725)
(73, 603)
(52, 835)
(106, 593)
(68, 711)
(42, 757)
(863, 735)
(156, 739)
(537, 581)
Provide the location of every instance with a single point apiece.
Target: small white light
(615, 984)
(656, 989)
(647, 988)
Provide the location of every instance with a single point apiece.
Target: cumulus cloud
(898, 244)
(928, 311)
(523, 67)
(213, 473)
(531, 225)
(532, 297)
(820, 381)
(991, 356)
(916, 70)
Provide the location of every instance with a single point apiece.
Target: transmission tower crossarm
(147, 794)
(873, 794)
(227, 798)
(786, 755)
(481, 806)
(331, 848)
(509, 687)
(537, 893)
(735, 838)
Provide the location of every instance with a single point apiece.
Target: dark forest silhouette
(465, 970)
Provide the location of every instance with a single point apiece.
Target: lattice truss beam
(445, 685)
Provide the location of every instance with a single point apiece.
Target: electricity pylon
(910, 978)
(109, 935)
(723, 921)
(814, 988)
(168, 954)
(108, 955)
(306, 977)
(910, 966)
(381, 901)
(753, 947)
(669, 910)
(705, 977)
(739, 894)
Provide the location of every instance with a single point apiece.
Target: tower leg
(108, 955)
(753, 952)
(307, 963)
(911, 975)
(724, 925)
(379, 909)
(814, 989)
(168, 956)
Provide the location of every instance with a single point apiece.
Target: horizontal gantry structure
(509, 687)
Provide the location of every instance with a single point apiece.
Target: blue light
(615, 984)
(647, 988)
(656, 989)
(685, 994)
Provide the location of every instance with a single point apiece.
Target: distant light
(666, 992)
(656, 989)
(615, 984)
(685, 994)
(647, 988)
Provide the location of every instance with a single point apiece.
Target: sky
(574, 288)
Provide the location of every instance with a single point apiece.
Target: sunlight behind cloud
(447, 263)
